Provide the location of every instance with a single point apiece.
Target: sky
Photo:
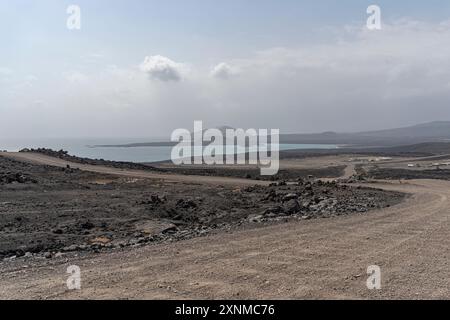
(145, 68)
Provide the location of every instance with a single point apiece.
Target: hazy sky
(145, 68)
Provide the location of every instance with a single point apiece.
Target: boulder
(292, 206)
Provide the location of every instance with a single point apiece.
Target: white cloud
(223, 71)
(162, 68)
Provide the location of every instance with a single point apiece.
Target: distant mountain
(424, 149)
(438, 131)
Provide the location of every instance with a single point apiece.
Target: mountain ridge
(435, 131)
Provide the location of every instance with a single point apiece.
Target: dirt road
(323, 258)
(195, 179)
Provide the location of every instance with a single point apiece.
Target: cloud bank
(361, 80)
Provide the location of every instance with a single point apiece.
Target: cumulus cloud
(223, 71)
(162, 68)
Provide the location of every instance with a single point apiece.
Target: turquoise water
(80, 147)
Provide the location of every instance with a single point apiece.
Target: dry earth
(322, 258)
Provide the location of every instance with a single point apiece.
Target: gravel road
(323, 258)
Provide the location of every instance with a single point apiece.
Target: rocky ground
(248, 172)
(62, 154)
(47, 211)
(397, 174)
(291, 174)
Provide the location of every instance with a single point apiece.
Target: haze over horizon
(145, 68)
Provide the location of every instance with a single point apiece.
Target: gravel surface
(48, 210)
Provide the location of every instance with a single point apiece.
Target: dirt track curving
(324, 258)
(47, 160)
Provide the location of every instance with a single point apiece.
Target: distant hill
(426, 149)
(438, 131)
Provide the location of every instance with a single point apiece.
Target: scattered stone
(73, 247)
(256, 218)
(186, 204)
(100, 240)
(87, 225)
(170, 230)
(274, 209)
(290, 196)
(15, 177)
(291, 207)
(118, 213)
